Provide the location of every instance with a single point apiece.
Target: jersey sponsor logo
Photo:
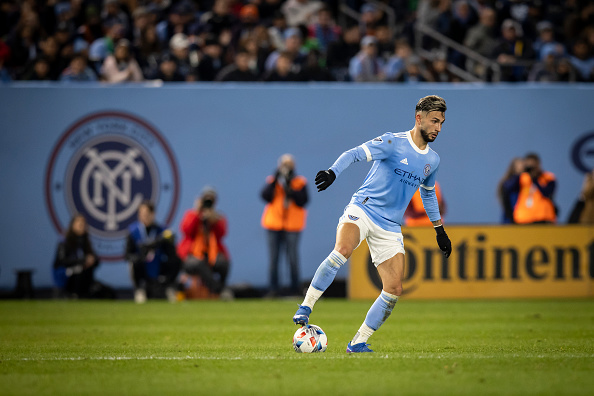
(377, 140)
(103, 167)
(354, 218)
(427, 169)
(404, 161)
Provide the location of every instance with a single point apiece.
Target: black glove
(443, 241)
(324, 179)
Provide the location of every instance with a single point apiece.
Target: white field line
(297, 356)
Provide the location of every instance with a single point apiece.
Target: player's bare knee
(395, 289)
(344, 249)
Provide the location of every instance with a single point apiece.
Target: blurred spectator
(438, 69)
(40, 70)
(414, 71)
(239, 70)
(179, 47)
(104, 46)
(415, 214)
(582, 60)
(179, 21)
(371, 18)
(342, 51)
(367, 66)
(268, 9)
(112, 14)
(508, 197)
(292, 47)
(248, 20)
(324, 29)
(121, 66)
(258, 48)
(149, 52)
(201, 248)
(168, 71)
(283, 69)
(313, 70)
(583, 210)
(482, 38)
(553, 68)
(284, 218)
(300, 12)
(512, 47)
(276, 31)
(535, 189)
(396, 64)
(210, 62)
(545, 43)
(75, 261)
(78, 71)
(385, 42)
(150, 250)
(219, 19)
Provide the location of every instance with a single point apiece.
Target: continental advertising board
(488, 262)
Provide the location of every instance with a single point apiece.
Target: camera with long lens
(207, 203)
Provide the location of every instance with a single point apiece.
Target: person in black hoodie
(76, 261)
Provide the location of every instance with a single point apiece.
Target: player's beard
(426, 136)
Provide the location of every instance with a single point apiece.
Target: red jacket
(191, 226)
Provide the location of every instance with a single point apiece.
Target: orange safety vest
(415, 214)
(532, 206)
(277, 217)
(206, 245)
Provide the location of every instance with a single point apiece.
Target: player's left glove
(324, 178)
(443, 241)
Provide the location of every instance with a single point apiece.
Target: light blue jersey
(399, 169)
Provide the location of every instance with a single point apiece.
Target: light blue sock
(380, 310)
(327, 271)
(323, 278)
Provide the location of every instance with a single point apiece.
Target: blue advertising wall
(231, 136)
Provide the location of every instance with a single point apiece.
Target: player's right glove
(324, 179)
(443, 241)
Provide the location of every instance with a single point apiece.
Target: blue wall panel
(231, 136)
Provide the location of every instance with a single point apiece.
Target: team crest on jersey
(427, 169)
(354, 218)
(377, 140)
(103, 167)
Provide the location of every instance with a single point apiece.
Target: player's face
(430, 124)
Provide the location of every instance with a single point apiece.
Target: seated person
(75, 261)
(150, 250)
(202, 249)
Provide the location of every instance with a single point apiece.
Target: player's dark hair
(149, 205)
(72, 240)
(431, 103)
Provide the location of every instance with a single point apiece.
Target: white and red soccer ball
(310, 339)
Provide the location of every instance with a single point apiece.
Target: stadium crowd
(292, 40)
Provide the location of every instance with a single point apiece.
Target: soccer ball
(310, 339)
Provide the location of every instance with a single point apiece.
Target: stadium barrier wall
(487, 262)
(169, 141)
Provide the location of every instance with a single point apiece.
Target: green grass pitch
(509, 347)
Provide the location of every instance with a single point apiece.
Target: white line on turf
(297, 356)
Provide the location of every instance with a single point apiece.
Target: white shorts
(383, 245)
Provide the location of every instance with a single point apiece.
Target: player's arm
(429, 197)
(376, 149)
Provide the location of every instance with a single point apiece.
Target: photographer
(535, 189)
(284, 218)
(201, 248)
(150, 250)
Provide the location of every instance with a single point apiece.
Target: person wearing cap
(546, 43)
(284, 216)
(367, 66)
(513, 47)
(179, 48)
(121, 66)
(202, 249)
(293, 43)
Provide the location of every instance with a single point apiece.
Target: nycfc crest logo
(103, 167)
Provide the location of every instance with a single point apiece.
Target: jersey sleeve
(429, 196)
(376, 149)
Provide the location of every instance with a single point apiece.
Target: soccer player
(402, 162)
